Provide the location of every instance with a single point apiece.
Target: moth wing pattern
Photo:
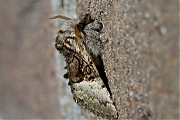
(92, 94)
(92, 38)
(87, 87)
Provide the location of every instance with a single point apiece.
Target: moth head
(68, 37)
(65, 41)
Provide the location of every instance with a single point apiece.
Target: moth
(79, 42)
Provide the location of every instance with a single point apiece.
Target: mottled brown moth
(79, 42)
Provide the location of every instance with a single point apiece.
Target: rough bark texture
(141, 57)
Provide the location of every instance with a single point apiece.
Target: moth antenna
(60, 17)
(77, 33)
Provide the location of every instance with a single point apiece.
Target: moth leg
(66, 75)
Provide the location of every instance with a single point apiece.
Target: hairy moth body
(79, 41)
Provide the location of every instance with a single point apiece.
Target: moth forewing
(77, 33)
